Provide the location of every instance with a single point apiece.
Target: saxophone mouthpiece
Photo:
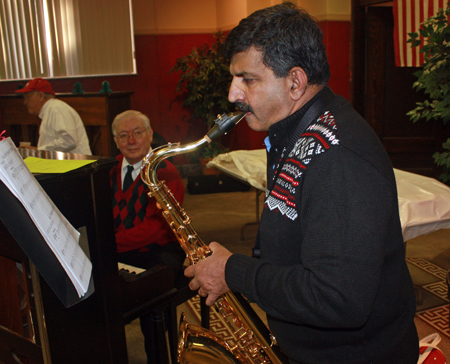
(224, 123)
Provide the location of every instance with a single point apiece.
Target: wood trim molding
(334, 17)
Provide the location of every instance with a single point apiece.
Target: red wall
(336, 36)
(154, 88)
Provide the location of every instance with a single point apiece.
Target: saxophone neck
(152, 160)
(223, 124)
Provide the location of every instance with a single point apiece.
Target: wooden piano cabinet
(91, 331)
(95, 109)
(21, 339)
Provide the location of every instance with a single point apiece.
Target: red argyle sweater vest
(129, 207)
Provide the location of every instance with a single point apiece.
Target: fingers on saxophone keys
(193, 285)
(189, 271)
(203, 294)
(211, 299)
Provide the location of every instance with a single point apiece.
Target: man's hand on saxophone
(208, 276)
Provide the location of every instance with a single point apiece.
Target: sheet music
(59, 234)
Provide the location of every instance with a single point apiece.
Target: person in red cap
(61, 128)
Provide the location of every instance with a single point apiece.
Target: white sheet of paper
(59, 234)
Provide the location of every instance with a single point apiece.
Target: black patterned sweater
(137, 220)
(332, 275)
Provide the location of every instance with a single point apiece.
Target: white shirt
(137, 168)
(62, 129)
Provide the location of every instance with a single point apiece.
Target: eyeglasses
(137, 134)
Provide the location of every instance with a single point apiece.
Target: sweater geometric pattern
(127, 214)
(317, 138)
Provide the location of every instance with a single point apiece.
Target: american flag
(408, 15)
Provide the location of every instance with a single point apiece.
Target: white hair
(129, 113)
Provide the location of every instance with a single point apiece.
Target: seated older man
(143, 237)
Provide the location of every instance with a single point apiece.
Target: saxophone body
(255, 344)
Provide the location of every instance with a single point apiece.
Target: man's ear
(117, 142)
(41, 97)
(298, 80)
(150, 132)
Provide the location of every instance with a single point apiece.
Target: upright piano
(35, 327)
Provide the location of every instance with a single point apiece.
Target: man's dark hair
(287, 36)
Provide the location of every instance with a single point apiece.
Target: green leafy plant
(203, 86)
(434, 78)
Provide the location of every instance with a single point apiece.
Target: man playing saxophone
(331, 272)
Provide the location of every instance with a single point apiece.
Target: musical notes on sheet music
(59, 234)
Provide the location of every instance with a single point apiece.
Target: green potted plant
(203, 87)
(434, 79)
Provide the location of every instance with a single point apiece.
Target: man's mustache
(244, 107)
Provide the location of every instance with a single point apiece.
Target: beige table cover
(424, 202)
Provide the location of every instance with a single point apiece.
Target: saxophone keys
(273, 340)
(238, 333)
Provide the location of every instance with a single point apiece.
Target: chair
(158, 140)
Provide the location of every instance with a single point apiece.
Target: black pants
(170, 255)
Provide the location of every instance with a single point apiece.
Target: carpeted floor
(222, 217)
(428, 259)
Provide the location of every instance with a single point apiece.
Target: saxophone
(255, 344)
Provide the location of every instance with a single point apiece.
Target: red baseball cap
(38, 84)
